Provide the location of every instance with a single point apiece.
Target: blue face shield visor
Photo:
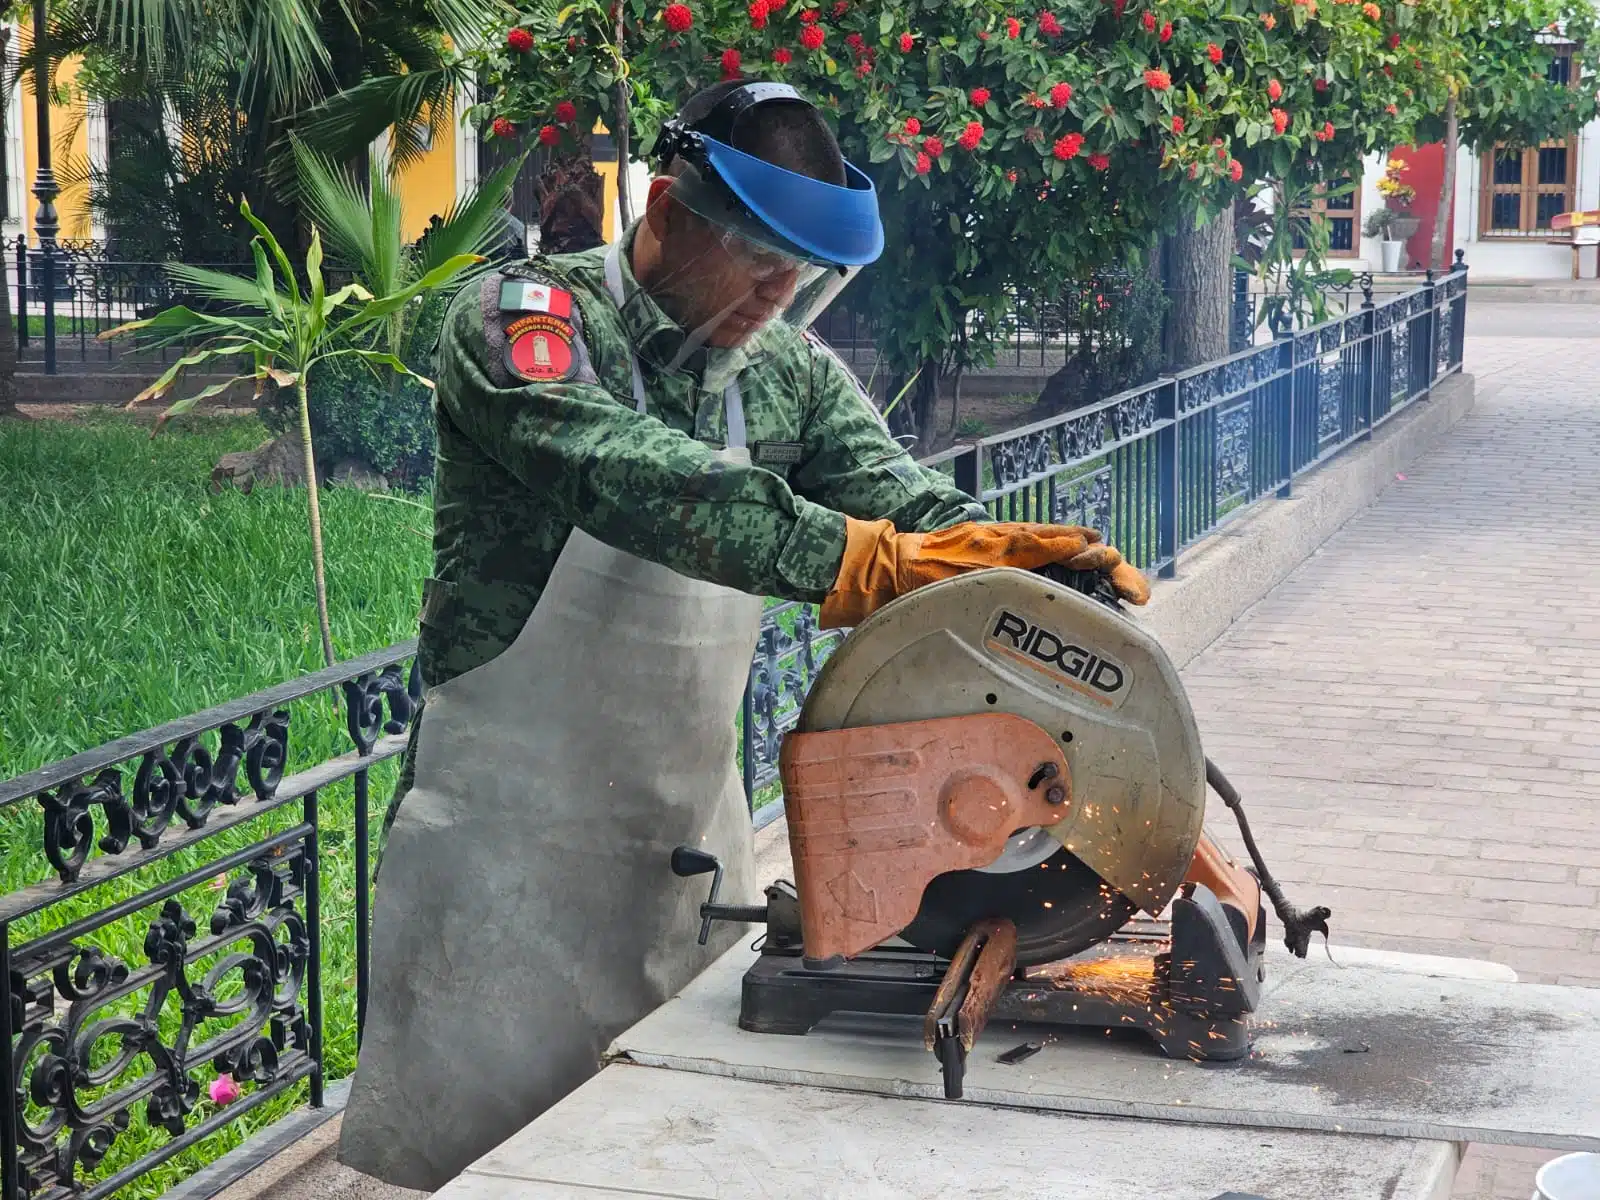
(795, 241)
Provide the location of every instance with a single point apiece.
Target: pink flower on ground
(223, 1090)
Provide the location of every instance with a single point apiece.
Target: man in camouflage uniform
(636, 443)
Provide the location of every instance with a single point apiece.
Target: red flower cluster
(1394, 41)
(677, 18)
(1166, 32)
(783, 56)
(853, 41)
(913, 126)
(1011, 176)
(1060, 94)
(730, 64)
(1157, 80)
(812, 37)
(1214, 52)
(1391, 110)
(759, 12)
(924, 164)
(1048, 25)
(1013, 28)
(979, 96)
(1372, 11)
(519, 40)
(1321, 85)
(1149, 20)
(810, 16)
(1068, 145)
(549, 135)
(566, 113)
(1235, 170)
(1274, 89)
(971, 136)
(1099, 162)
(1325, 134)
(1177, 124)
(839, 9)
(1280, 120)
(906, 43)
(1270, 21)
(502, 127)
(933, 147)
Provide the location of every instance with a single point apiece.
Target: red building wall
(1424, 170)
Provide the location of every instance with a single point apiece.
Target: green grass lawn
(133, 596)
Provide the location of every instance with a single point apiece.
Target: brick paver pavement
(1412, 715)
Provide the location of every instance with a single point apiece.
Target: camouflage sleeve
(852, 464)
(628, 479)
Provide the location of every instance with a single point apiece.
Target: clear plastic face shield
(751, 253)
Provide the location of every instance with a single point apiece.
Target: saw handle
(688, 862)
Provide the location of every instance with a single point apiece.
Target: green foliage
(384, 421)
(1175, 108)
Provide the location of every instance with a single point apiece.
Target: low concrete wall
(1220, 578)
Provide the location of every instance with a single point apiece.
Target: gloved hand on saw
(881, 564)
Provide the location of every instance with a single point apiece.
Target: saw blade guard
(1011, 641)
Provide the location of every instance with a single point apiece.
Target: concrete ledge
(1222, 577)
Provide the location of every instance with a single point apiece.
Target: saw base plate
(1127, 983)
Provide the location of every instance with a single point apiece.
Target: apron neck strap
(732, 397)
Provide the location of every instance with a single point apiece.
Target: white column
(466, 141)
(99, 161)
(16, 164)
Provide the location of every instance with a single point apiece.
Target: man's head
(702, 275)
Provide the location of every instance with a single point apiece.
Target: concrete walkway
(1413, 716)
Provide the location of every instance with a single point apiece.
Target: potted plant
(1401, 223)
(1381, 225)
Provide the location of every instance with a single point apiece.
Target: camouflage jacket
(521, 462)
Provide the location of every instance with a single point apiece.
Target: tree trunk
(619, 136)
(914, 414)
(1447, 188)
(1200, 278)
(571, 204)
(318, 575)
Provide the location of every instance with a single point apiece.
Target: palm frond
(336, 205)
(474, 223)
(351, 120)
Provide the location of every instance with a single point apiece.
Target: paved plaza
(1413, 716)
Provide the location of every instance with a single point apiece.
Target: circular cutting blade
(1060, 908)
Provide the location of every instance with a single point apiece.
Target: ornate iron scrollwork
(182, 780)
(1019, 459)
(79, 1044)
(1233, 455)
(364, 701)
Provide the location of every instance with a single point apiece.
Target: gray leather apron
(528, 913)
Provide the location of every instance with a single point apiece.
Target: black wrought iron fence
(172, 927)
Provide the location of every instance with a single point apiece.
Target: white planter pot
(1391, 255)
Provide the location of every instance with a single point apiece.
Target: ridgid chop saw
(995, 793)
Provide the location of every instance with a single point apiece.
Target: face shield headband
(783, 245)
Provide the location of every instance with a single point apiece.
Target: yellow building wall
(72, 206)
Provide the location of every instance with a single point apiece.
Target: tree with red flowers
(1015, 148)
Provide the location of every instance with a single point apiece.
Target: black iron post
(46, 224)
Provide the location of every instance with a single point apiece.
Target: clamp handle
(688, 862)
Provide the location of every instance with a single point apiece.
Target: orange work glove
(881, 564)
